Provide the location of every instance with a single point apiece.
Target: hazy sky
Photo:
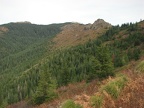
(59, 11)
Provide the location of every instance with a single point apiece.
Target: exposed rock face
(100, 23)
(87, 26)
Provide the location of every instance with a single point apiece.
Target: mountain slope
(125, 44)
(94, 59)
(22, 45)
(123, 90)
(20, 42)
(75, 34)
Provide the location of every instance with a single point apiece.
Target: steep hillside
(126, 90)
(22, 45)
(91, 61)
(24, 42)
(96, 59)
(75, 34)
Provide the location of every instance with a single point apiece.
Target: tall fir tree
(107, 67)
(46, 88)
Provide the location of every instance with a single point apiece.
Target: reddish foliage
(133, 94)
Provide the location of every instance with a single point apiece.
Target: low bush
(140, 67)
(96, 101)
(115, 86)
(70, 104)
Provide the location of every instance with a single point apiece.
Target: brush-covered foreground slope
(125, 90)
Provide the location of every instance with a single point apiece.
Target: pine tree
(46, 88)
(94, 69)
(136, 53)
(103, 55)
(65, 76)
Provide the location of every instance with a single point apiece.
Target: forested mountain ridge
(24, 71)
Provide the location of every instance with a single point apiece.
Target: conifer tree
(94, 69)
(46, 88)
(103, 55)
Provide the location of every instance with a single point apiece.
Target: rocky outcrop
(75, 33)
(87, 26)
(100, 23)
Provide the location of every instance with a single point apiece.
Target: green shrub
(70, 104)
(96, 101)
(121, 82)
(115, 86)
(140, 67)
(112, 89)
(3, 104)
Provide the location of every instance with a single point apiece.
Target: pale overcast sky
(59, 11)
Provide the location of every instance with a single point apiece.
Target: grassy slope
(75, 34)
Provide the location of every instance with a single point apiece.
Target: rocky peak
(100, 23)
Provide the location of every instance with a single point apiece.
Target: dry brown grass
(3, 29)
(133, 94)
(22, 104)
(75, 34)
